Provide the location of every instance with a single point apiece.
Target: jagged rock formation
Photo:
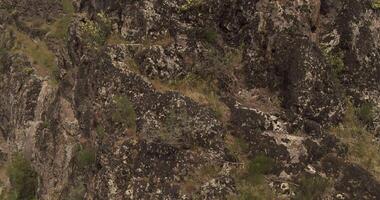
(191, 99)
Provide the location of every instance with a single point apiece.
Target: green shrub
(259, 166)
(95, 33)
(85, 157)
(124, 112)
(250, 175)
(365, 113)
(22, 177)
(335, 59)
(250, 180)
(210, 35)
(311, 188)
(100, 131)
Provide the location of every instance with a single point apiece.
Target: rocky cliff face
(189, 99)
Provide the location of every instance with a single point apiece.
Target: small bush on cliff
(365, 113)
(250, 181)
(259, 166)
(311, 188)
(124, 112)
(335, 60)
(85, 157)
(95, 33)
(210, 35)
(100, 131)
(22, 177)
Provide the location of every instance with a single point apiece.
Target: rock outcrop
(191, 99)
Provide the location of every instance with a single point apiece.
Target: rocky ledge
(189, 99)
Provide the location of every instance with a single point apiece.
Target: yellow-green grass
(198, 90)
(362, 146)
(39, 54)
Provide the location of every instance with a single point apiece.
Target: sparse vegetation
(85, 157)
(132, 65)
(365, 113)
(250, 173)
(191, 4)
(335, 59)
(115, 38)
(199, 90)
(77, 193)
(39, 54)
(376, 4)
(100, 131)
(362, 148)
(233, 58)
(6, 41)
(247, 191)
(124, 112)
(258, 167)
(22, 177)
(237, 146)
(311, 188)
(46, 124)
(201, 85)
(95, 33)
(59, 29)
(67, 6)
(194, 180)
(172, 126)
(209, 35)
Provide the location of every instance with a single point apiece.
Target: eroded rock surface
(190, 99)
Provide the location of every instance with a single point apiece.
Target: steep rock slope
(190, 99)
